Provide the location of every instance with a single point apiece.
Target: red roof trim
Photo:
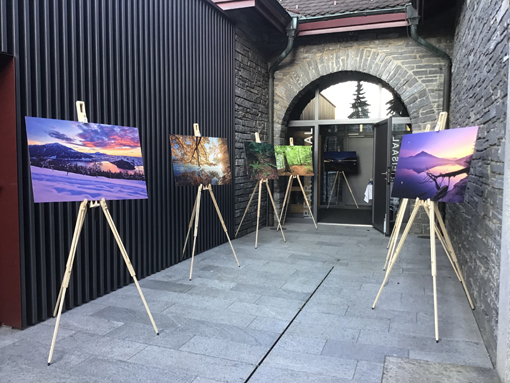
(362, 27)
(352, 21)
(234, 4)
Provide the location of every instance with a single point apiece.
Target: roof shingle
(335, 7)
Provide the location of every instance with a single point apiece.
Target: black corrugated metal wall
(158, 65)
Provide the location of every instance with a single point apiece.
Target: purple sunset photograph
(71, 161)
(435, 165)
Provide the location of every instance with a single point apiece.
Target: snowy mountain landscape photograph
(71, 161)
(435, 165)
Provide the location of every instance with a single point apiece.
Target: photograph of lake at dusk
(435, 165)
(200, 160)
(71, 161)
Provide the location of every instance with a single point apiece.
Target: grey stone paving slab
(271, 292)
(208, 292)
(404, 370)
(99, 346)
(331, 331)
(86, 324)
(358, 351)
(265, 374)
(313, 364)
(145, 334)
(211, 315)
(165, 286)
(275, 312)
(368, 372)
(225, 349)
(279, 302)
(268, 324)
(123, 372)
(189, 363)
(35, 355)
(26, 374)
(300, 344)
(124, 315)
(227, 332)
(464, 358)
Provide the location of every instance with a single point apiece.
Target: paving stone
(225, 349)
(88, 324)
(189, 363)
(313, 364)
(358, 351)
(300, 344)
(406, 370)
(368, 372)
(165, 286)
(228, 332)
(100, 346)
(268, 324)
(145, 334)
(183, 310)
(106, 369)
(266, 374)
(124, 315)
(263, 311)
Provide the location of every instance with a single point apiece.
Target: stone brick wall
(479, 97)
(412, 71)
(251, 115)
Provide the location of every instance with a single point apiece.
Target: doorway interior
(349, 200)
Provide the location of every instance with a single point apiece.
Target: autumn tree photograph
(200, 160)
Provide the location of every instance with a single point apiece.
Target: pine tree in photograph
(360, 105)
(396, 107)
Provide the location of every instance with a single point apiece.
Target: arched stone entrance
(414, 74)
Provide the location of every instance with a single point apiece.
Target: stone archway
(411, 71)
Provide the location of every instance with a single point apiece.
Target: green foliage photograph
(294, 160)
(261, 161)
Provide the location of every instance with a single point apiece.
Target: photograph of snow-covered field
(71, 161)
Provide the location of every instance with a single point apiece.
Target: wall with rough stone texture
(413, 72)
(251, 115)
(479, 97)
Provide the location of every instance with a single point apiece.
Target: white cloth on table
(368, 193)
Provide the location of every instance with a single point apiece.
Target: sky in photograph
(451, 143)
(84, 137)
(342, 96)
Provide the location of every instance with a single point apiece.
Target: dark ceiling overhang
(353, 23)
(271, 10)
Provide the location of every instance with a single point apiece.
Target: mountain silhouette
(424, 161)
(57, 151)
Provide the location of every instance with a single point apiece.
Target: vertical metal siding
(153, 64)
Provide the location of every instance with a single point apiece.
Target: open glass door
(382, 176)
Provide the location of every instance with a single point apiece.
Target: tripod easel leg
(399, 247)
(197, 212)
(274, 207)
(246, 210)
(306, 199)
(433, 260)
(396, 230)
(453, 255)
(222, 222)
(67, 274)
(445, 247)
(127, 260)
(332, 189)
(337, 190)
(258, 214)
(286, 201)
(349, 186)
(190, 225)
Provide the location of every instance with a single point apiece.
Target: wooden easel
(82, 117)
(259, 185)
(196, 212)
(432, 211)
(338, 188)
(286, 200)
(441, 123)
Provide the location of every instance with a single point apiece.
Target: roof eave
(353, 23)
(271, 10)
